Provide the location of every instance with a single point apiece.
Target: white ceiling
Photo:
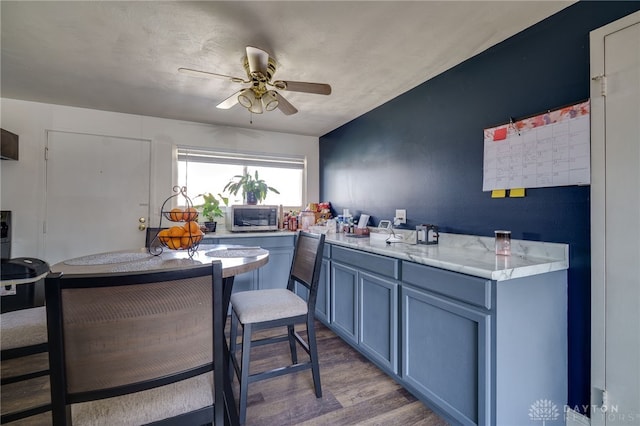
(124, 56)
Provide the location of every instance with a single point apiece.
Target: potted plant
(210, 209)
(254, 190)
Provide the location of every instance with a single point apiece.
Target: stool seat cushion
(24, 327)
(267, 305)
(147, 406)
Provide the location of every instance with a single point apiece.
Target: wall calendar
(550, 149)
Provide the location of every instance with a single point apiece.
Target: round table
(235, 260)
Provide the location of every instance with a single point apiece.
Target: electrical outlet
(401, 216)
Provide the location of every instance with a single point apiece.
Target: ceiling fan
(261, 95)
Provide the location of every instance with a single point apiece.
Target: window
(202, 170)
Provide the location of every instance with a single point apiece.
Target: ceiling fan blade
(285, 106)
(258, 60)
(198, 73)
(301, 86)
(231, 101)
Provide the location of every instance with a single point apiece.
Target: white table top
(235, 260)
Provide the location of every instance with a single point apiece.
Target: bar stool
(264, 309)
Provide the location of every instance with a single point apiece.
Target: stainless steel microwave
(244, 218)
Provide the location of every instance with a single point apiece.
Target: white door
(615, 223)
(97, 194)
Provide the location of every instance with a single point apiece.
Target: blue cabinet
(344, 298)
(446, 355)
(364, 304)
(275, 273)
(480, 351)
(378, 319)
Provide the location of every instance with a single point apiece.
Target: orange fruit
(190, 214)
(189, 239)
(163, 235)
(192, 227)
(176, 214)
(176, 231)
(186, 241)
(173, 243)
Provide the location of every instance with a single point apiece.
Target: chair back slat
(307, 261)
(304, 261)
(121, 335)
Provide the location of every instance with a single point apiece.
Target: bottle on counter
(293, 223)
(280, 217)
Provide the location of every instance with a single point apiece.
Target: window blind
(237, 158)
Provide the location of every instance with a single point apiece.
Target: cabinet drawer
(474, 290)
(381, 265)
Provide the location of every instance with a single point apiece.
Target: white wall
(22, 185)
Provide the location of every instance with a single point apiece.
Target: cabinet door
(446, 355)
(275, 274)
(344, 297)
(378, 307)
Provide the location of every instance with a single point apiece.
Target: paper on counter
(364, 219)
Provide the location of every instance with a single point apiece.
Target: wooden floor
(355, 392)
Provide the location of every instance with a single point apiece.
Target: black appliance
(5, 234)
(252, 218)
(26, 270)
(8, 145)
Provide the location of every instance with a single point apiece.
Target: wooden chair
(133, 348)
(263, 309)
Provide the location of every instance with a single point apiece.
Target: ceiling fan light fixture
(247, 98)
(260, 68)
(256, 107)
(270, 100)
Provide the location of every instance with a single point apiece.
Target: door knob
(142, 227)
(142, 220)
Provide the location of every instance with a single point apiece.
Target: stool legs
(244, 371)
(242, 368)
(292, 344)
(233, 339)
(313, 354)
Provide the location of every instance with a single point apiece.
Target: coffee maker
(427, 234)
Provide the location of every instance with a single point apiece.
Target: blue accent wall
(423, 151)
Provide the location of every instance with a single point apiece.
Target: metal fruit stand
(188, 240)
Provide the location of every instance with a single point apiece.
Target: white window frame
(246, 158)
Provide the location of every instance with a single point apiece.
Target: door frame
(598, 207)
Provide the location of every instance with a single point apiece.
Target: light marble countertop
(468, 254)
